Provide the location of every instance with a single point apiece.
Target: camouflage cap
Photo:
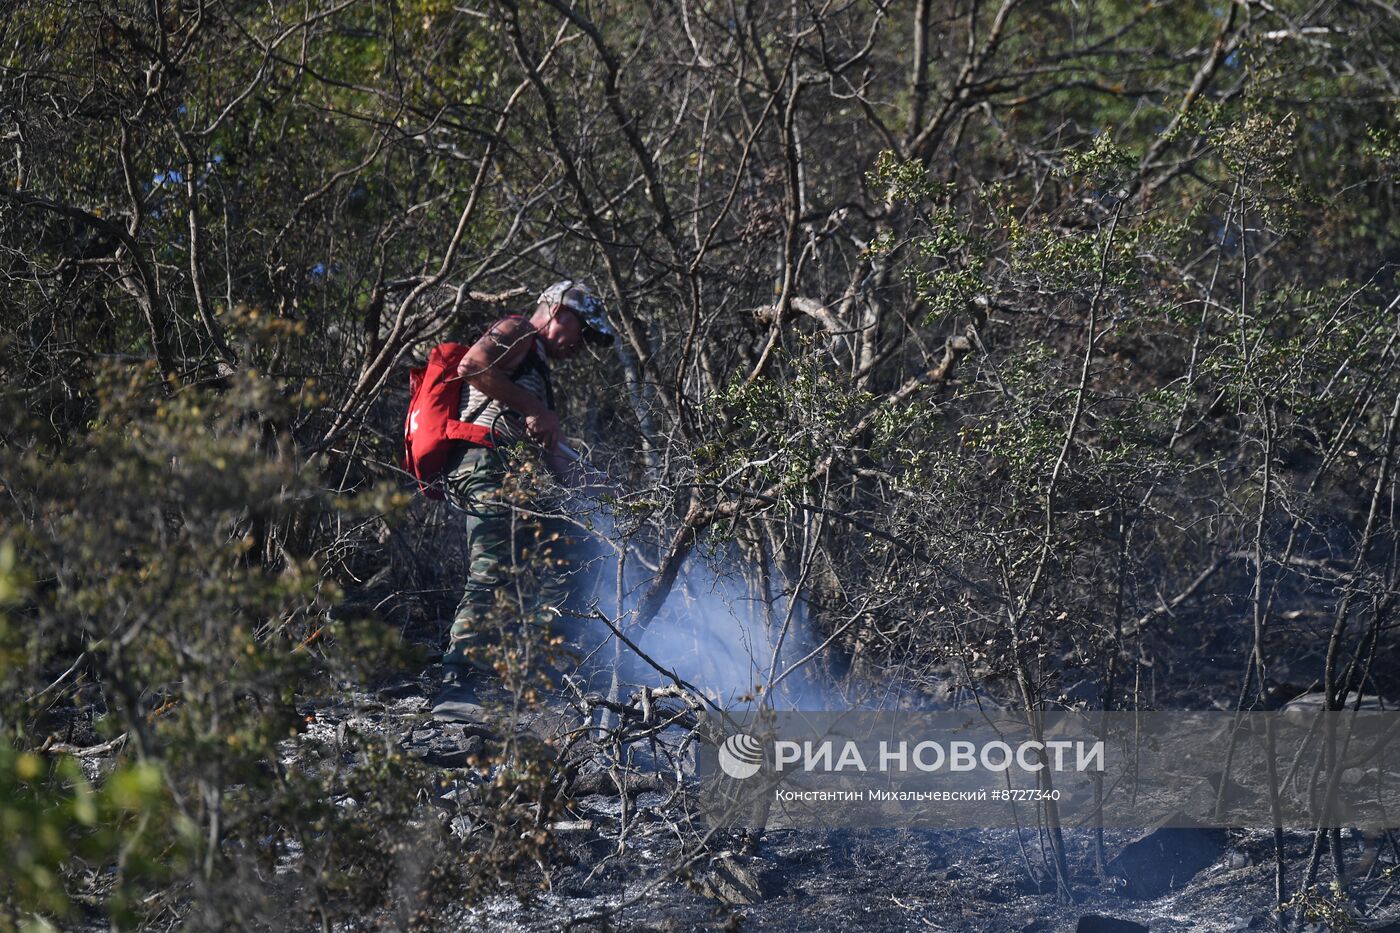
(581, 300)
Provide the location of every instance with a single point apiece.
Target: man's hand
(544, 429)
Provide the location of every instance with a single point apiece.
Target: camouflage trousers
(525, 571)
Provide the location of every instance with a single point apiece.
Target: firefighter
(520, 558)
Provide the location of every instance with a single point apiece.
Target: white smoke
(715, 633)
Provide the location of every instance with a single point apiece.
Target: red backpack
(431, 428)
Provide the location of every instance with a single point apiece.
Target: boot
(460, 700)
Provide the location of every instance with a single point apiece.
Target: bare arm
(487, 367)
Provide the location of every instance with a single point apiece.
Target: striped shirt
(508, 425)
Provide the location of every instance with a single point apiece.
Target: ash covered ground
(641, 860)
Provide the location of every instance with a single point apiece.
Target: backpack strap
(531, 363)
(534, 363)
(475, 434)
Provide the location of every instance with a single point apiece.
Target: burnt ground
(646, 862)
(617, 867)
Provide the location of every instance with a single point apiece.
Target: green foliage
(1059, 298)
(812, 408)
(51, 815)
(1324, 905)
(908, 180)
(1103, 164)
(149, 541)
